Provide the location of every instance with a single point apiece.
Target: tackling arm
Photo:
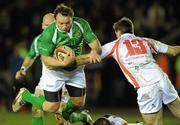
(82, 59)
(51, 62)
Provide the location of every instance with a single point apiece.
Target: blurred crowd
(20, 22)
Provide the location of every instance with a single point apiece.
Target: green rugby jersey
(52, 37)
(34, 52)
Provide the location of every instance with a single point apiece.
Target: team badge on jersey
(77, 34)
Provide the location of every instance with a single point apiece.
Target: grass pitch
(24, 118)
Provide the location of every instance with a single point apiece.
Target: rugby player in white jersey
(134, 56)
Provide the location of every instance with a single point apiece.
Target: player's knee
(37, 112)
(78, 102)
(51, 107)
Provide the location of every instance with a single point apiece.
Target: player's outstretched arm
(82, 59)
(51, 62)
(95, 51)
(27, 63)
(173, 50)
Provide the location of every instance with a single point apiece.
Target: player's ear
(118, 33)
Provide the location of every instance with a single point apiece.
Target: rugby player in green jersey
(27, 63)
(72, 32)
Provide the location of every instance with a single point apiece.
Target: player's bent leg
(175, 107)
(76, 100)
(25, 96)
(153, 118)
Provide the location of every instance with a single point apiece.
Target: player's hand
(69, 59)
(94, 56)
(20, 74)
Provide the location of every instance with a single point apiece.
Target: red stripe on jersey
(113, 49)
(151, 45)
(124, 68)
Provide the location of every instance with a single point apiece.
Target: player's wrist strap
(23, 68)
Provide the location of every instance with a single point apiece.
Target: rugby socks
(34, 99)
(77, 117)
(68, 110)
(37, 121)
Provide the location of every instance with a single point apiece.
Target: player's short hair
(63, 9)
(125, 25)
(102, 121)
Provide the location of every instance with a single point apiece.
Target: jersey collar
(127, 34)
(69, 33)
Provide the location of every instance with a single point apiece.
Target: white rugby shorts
(151, 98)
(53, 80)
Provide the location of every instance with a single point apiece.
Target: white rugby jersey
(116, 120)
(134, 56)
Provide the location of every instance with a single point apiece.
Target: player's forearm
(173, 50)
(51, 62)
(82, 59)
(27, 63)
(96, 46)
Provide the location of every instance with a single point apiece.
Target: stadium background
(107, 88)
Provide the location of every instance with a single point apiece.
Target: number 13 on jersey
(135, 47)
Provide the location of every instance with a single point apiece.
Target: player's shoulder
(51, 27)
(49, 31)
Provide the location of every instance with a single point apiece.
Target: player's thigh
(169, 92)
(52, 102)
(76, 94)
(153, 118)
(150, 98)
(175, 107)
(51, 80)
(77, 78)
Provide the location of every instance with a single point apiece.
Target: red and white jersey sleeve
(134, 56)
(108, 49)
(156, 46)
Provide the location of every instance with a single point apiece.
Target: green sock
(34, 99)
(68, 110)
(77, 117)
(37, 121)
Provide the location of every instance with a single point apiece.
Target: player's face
(63, 22)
